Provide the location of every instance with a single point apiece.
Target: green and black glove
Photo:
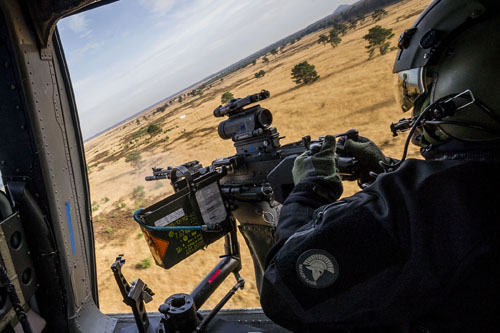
(369, 157)
(321, 163)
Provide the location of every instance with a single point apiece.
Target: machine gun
(249, 186)
(261, 163)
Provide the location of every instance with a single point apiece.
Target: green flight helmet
(452, 53)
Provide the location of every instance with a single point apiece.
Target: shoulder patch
(317, 268)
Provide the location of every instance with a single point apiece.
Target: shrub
(134, 158)
(139, 133)
(260, 74)
(153, 129)
(109, 230)
(139, 235)
(145, 263)
(138, 192)
(304, 73)
(95, 206)
(115, 214)
(140, 203)
(105, 199)
(226, 97)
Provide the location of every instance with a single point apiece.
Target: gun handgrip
(348, 167)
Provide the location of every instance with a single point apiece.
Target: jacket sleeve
(299, 207)
(324, 264)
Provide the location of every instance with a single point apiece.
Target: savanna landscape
(354, 90)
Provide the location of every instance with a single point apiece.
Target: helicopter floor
(227, 320)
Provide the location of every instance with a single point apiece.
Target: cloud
(87, 47)
(78, 23)
(86, 33)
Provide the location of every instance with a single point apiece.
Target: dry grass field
(352, 92)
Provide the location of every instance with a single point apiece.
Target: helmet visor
(409, 86)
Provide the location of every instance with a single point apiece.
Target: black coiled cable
(14, 299)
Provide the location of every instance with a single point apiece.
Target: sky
(131, 54)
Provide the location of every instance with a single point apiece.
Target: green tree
(179, 99)
(323, 39)
(265, 60)
(254, 62)
(304, 73)
(378, 14)
(274, 52)
(377, 39)
(153, 129)
(161, 108)
(260, 74)
(334, 38)
(226, 97)
(340, 27)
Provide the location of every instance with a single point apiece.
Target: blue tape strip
(70, 226)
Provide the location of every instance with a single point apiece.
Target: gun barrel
(158, 177)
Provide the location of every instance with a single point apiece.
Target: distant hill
(341, 8)
(342, 13)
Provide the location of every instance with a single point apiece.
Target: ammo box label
(174, 216)
(211, 205)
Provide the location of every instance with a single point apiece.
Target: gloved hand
(368, 155)
(321, 163)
